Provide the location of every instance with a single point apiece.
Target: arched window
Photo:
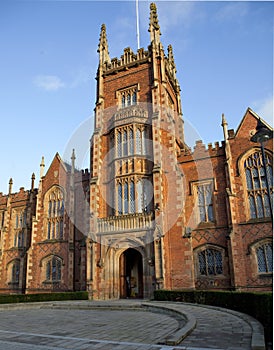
(55, 214)
(256, 181)
(132, 197)
(210, 262)
(53, 269)
(15, 272)
(264, 255)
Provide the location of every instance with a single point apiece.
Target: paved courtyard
(122, 325)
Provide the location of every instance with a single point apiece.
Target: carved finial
(103, 46)
(32, 181)
(42, 167)
(10, 185)
(154, 27)
(224, 125)
(73, 160)
(170, 55)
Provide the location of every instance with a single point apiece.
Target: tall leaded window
(205, 202)
(19, 224)
(131, 140)
(210, 262)
(55, 214)
(133, 196)
(15, 272)
(128, 97)
(256, 180)
(265, 258)
(53, 269)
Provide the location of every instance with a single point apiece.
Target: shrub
(26, 298)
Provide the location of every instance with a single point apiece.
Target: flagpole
(137, 25)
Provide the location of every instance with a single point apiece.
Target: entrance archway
(131, 274)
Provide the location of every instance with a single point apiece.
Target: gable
(247, 127)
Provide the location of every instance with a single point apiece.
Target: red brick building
(151, 213)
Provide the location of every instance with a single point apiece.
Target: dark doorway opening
(131, 274)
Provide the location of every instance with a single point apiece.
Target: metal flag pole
(137, 25)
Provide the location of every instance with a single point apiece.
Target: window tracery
(55, 214)
(210, 262)
(256, 183)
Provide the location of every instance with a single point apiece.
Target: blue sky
(223, 53)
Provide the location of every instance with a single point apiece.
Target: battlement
(200, 151)
(129, 58)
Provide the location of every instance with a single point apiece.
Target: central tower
(138, 133)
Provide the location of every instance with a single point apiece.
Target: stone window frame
(19, 225)
(47, 275)
(128, 96)
(253, 249)
(255, 192)
(194, 191)
(124, 206)
(54, 213)
(204, 248)
(13, 272)
(131, 140)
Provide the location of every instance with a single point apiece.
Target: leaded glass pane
(126, 198)
(61, 229)
(202, 263)
(132, 197)
(138, 142)
(266, 206)
(128, 99)
(139, 196)
(119, 198)
(123, 101)
(248, 179)
(255, 175)
(48, 270)
(219, 262)
(49, 212)
(269, 257)
(119, 144)
(202, 214)
(260, 209)
(210, 261)
(134, 97)
(261, 259)
(49, 230)
(125, 143)
(58, 269)
(143, 142)
(131, 142)
(54, 271)
(252, 207)
(210, 213)
(200, 195)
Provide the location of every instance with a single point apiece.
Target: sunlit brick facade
(152, 212)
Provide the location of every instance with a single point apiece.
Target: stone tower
(135, 181)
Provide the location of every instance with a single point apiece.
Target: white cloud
(48, 82)
(264, 108)
(232, 10)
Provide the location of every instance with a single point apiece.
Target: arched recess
(131, 274)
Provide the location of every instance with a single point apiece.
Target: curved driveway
(125, 325)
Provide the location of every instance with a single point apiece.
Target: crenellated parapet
(127, 60)
(201, 151)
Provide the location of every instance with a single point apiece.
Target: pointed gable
(247, 127)
(56, 174)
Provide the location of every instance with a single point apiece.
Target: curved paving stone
(124, 325)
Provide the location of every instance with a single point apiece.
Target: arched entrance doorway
(131, 274)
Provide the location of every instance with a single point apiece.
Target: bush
(28, 298)
(257, 305)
